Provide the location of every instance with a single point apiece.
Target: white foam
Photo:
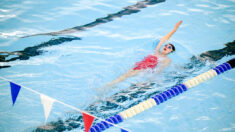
(203, 118)
(209, 25)
(174, 117)
(195, 10)
(25, 75)
(202, 5)
(228, 128)
(219, 95)
(8, 16)
(231, 17)
(204, 129)
(178, 12)
(219, 6)
(9, 34)
(4, 10)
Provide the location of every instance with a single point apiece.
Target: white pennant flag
(47, 103)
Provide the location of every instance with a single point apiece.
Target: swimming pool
(71, 67)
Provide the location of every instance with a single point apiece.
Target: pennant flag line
(47, 103)
(15, 89)
(88, 120)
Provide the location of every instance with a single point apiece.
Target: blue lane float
(104, 125)
(162, 97)
(222, 68)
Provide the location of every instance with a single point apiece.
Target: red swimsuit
(149, 62)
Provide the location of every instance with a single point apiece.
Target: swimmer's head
(168, 48)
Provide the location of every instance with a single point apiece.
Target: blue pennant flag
(122, 130)
(14, 91)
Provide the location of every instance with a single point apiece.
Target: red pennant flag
(87, 121)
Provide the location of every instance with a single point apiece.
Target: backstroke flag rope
(47, 103)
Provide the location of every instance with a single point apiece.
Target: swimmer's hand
(178, 24)
(167, 36)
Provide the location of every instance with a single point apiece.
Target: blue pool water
(73, 67)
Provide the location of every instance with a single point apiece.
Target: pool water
(74, 67)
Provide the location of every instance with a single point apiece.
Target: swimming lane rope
(162, 97)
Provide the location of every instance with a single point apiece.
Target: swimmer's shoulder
(166, 60)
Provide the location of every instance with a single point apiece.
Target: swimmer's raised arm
(167, 36)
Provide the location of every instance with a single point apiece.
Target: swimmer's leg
(123, 77)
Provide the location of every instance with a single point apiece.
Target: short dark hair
(173, 47)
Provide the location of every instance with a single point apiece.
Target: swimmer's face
(167, 49)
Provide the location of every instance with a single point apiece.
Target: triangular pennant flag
(122, 130)
(87, 121)
(47, 103)
(15, 89)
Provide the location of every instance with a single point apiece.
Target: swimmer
(151, 61)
